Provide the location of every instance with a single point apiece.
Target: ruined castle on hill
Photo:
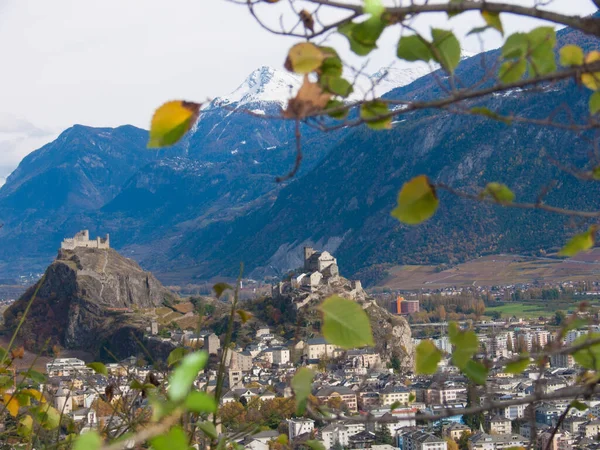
(319, 271)
(82, 239)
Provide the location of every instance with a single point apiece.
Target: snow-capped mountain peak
(388, 78)
(265, 84)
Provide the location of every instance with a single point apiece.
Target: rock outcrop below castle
(303, 293)
(81, 299)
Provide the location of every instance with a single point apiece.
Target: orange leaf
(18, 353)
(309, 99)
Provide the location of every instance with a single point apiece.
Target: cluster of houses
(375, 407)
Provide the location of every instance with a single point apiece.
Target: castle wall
(82, 239)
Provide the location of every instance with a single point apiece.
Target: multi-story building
(346, 395)
(420, 440)
(395, 394)
(212, 344)
(455, 430)
(498, 425)
(439, 394)
(318, 348)
(482, 441)
(364, 357)
(299, 426)
(67, 367)
(368, 399)
(562, 361)
(409, 307)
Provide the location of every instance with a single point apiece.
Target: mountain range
(195, 210)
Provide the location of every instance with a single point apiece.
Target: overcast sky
(111, 62)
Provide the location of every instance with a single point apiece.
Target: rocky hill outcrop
(297, 305)
(88, 299)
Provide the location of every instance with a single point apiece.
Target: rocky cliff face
(86, 299)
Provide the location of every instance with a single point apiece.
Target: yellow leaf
(244, 315)
(34, 393)
(493, 20)
(571, 55)
(591, 80)
(580, 242)
(12, 404)
(417, 201)
(304, 58)
(171, 121)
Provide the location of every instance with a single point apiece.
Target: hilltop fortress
(82, 239)
(320, 274)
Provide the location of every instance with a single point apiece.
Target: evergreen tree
(383, 435)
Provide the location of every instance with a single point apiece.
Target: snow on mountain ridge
(388, 78)
(265, 84)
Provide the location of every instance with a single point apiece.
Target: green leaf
(595, 103)
(304, 58)
(209, 429)
(427, 358)
(200, 402)
(579, 406)
(25, 427)
(336, 85)
(135, 384)
(466, 345)
(47, 416)
(448, 49)
(395, 405)
(335, 104)
(542, 41)
(175, 439)
(515, 46)
(493, 20)
(414, 48)
(367, 33)
(332, 66)
(36, 376)
(411, 397)
(512, 71)
(357, 47)
(518, 366)
(580, 242)
(90, 440)
(219, 288)
(372, 112)
(374, 7)
(175, 356)
(417, 201)
(571, 55)
(315, 445)
(301, 384)
(588, 357)
(476, 372)
(483, 111)
(171, 121)
(576, 323)
(182, 378)
(345, 323)
(499, 192)
(478, 30)
(98, 367)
